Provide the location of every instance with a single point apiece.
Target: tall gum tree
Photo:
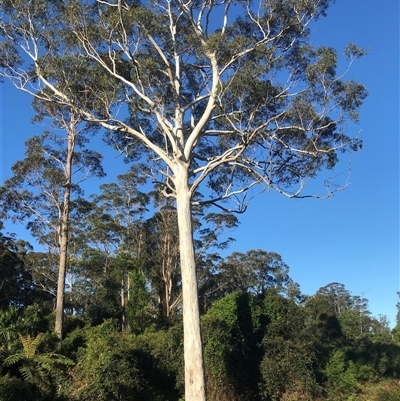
(45, 186)
(228, 94)
(115, 226)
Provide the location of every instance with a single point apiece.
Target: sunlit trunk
(193, 351)
(64, 234)
(167, 298)
(123, 306)
(62, 268)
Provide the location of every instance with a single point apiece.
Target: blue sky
(352, 238)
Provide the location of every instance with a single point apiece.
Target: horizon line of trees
(263, 339)
(122, 307)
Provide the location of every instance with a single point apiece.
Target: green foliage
(113, 366)
(289, 353)
(257, 347)
(106, 368)
(39, 369)
(138, 311)
(16, 278)
(231, 348)
(162, 363)
(35, 320)
(15, 389)
(9, 321)
(342, 377)
(98, 286)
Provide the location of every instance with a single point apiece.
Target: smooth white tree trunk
(64, 235)
(62, 269)
(193, 350)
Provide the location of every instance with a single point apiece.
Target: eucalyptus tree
(396, 329)
(115, 227)
(117, 214)
(44, 190)
(16, 283)
(163, 260)
(208, 244)
(254, 271)
(352, 310)
(227, 94)
(338, 296)
(44, 269)
(163, 267)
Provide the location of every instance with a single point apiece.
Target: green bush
(162, 363)
(14, 389)
(289, 355)
(106, 368)
(231, 351)
(112, 366)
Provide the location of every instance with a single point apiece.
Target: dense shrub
(231, 351)
(106, 368)
(112, 366)
(289, 355)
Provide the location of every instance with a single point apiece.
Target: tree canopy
(229, 94)
(233, 89)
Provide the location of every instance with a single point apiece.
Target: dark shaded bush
(231, 349)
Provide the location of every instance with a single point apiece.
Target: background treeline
(122, 336)
(96, 313)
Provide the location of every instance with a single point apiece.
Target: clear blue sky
(352, 238)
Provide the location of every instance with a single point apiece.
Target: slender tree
(40, 191)
(226, 93)
(163, 255)
(115, 227)
(163, 261)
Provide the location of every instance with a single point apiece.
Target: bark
(123, 306)
(193, 351)
(167, 290)
(64, 234)
(168, 267)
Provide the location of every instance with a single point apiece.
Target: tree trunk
(167, 296)
(123, 306)
(193, 351)
(62, 268)
(63, 235)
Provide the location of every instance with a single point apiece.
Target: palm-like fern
(36, 368)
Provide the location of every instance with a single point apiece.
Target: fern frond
(13, 359)
(30, 344)
(36, 377)
(51, 361)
